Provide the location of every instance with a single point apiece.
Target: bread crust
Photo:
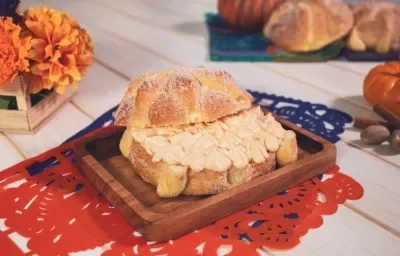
(308, 25)
(205, 182)
(180, 96)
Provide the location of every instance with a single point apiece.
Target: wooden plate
(160, 219)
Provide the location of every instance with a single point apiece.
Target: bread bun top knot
(180, 96)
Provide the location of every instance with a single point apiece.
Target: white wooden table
(134, 36)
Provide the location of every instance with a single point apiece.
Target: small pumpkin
(382, 86)
(246, 14)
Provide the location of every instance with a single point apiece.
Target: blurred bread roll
(308, 25)
(376, 27)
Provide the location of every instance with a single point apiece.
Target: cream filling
(235, 140)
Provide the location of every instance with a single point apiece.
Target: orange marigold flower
(61, 50)
(13, 51)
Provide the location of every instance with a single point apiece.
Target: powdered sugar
(183, 80)
(172, 97)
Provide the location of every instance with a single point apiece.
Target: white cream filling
(235, 140)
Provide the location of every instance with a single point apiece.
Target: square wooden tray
(161, 219)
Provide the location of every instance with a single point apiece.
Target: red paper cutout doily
(49, 201)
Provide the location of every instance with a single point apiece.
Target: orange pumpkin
(382, 86)
(246, 14)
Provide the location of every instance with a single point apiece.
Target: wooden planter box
(28, 118)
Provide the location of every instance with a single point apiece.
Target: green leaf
(4, 101)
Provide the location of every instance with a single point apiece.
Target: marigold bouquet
(47, 47)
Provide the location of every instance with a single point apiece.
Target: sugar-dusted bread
(193, 131)
(181, 96)
(377, 27)
(308, 25)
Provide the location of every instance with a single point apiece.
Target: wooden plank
(340, 83)
(178, 21)
(100, 90)
(346, 233)
(381, 192)
(14, 120)
(9, 154)
(12, 89)
(361, 68)
(23, 99)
